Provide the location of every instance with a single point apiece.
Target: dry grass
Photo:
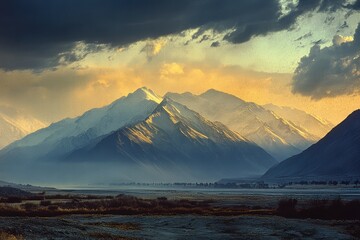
(320, 209)
(119, 226)
(9, 236)
(121, 205)
(107, 236)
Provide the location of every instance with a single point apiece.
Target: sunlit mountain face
(15, 125)
(179, 119)
(138, 138)
(231, 88)
(280, 133)
(143, 137)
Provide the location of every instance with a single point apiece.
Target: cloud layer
(40, 34)
(330, 71)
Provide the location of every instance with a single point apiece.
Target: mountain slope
(43, 149)
(70, 134)
(335, 156)
(177, 144)
(279, 137)
(310, 123)
(139, 137)
(14, 125)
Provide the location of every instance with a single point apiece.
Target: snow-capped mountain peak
(217, 95)
(179, 141)
(96, 122)
(308, 122)
(15, 125)
(281, 137)
(145, 93)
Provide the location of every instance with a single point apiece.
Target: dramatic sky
(60, 58)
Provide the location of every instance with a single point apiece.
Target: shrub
(45, 203)
(13, 200)
(29, 206)
(9, 236)
(287, 207)
(53, 207)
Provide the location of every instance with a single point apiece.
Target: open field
(174, 227)
(185, 214)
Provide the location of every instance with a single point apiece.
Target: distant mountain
(69, 134)
(278, 136)
(336, 156)
(312, 124)
(13, 192)
(175, 143)
(42, 149)
(14, 125)
(140, 137)
(25, 187)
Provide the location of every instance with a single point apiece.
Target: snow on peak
(303, 120)
(246, 118)
(170, 113)
(15, 125)
(145, 93)
(216, 94)
(96, 122)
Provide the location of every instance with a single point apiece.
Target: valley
(182, 212)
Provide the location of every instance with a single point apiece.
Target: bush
(321, 209)
(287, 207)
(29, 206)
(53, 207)
(45, 203)
(13, 200)
(9, 236)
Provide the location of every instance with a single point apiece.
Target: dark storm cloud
(330, 71)
(354, 6)
(215, 44)
(305, 36)
(37, 34)
(332, 5)
(344, 25)
(318, 42)
(268, 20)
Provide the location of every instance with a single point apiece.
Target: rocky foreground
(173, 227)
(56, 216)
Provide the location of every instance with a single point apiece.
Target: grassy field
(102, 217)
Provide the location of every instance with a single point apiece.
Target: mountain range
(313, 124)
(15, 125)
(175, 143)
(280, 133)
(143, 137)
(140, 137)
(336, 156)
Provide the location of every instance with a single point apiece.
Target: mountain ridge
(284, 137)
(14, 125)
(122, 137)
(309, 122)
(192, 139)
(337, 155)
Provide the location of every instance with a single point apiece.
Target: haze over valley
(143, 137)
(191, 119)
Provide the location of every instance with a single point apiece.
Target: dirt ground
(173, 227)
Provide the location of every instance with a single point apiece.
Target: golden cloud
(54, 95)
(339, 39)
(153, 47)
